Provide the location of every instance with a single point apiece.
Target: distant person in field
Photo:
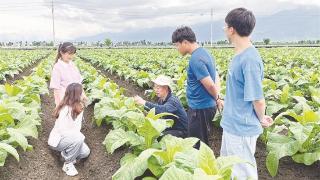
(65, 136)
(64, 71)
(167, 103)
(244, 106)
(203, 84)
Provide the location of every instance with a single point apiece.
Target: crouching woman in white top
(65, 136)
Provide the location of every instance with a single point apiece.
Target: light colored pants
(72, 147)
(244, 147)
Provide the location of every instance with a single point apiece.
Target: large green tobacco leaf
(290, 92)
(226, 163)
(119, 137)
(11, 150)
(19, 111)
(128, 157)
(207, 160)
(272, 163)
(300, 143)
(200, 174)
(28, 126)
(203, 163)
(152, 114)
(307, 116)
(5, 118)
(285, 94)
(3, 156)
(187, 159)
(279, 146)
(177, 174)
(16, 136)
(12, 90)
(274, 107)
(171, 145)
(135, 167)
(16, 109)
(307, 158)
(136, 118)
(315, 94)
(151, 130)
(155, 166)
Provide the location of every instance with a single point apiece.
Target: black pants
(176, 132)
(200, 124)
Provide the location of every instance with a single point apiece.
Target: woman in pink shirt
(64, 71)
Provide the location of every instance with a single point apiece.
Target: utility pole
(53, 29)
(211, 20)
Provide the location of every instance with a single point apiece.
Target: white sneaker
(69, 169)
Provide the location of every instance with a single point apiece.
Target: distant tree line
(109, 43)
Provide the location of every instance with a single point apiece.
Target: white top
(64, 126)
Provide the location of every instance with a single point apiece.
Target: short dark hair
(183, 33)
(242, 20)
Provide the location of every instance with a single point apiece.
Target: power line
(53, 28)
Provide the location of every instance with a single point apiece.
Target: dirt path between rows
(43, 163)
(288, 169)
(129, 86)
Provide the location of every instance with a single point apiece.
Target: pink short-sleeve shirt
(62, 75)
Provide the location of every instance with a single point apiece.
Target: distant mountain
(289, 25)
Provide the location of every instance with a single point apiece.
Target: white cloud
(31, 20)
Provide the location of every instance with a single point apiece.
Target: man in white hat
(168, 103)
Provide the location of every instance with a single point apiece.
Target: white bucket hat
(163, 81)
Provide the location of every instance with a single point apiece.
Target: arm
(84, 98)
(259, 107)
(253, 91)
(220, 102)
(57, 98)
(55, 84)
(210, 86)
(218, 83)
(200, 71)
(168, 107)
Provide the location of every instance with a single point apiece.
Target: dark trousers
(176, 132)
(200, 124)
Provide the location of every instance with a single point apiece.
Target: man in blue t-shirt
(244, 106)
(203, 84)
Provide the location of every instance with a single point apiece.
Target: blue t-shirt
(201, 65)
(244, 85)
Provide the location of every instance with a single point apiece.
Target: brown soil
(288, 169)
(130, 87)
(43, 163)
